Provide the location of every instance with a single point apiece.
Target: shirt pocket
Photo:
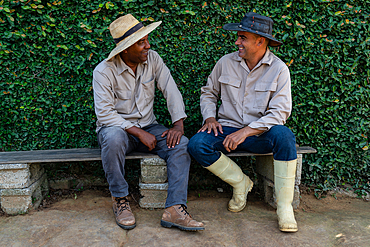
(123, 101)
(230, 88)
(263, 92)
(148, 90)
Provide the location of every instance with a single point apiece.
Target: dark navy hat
(255, 23)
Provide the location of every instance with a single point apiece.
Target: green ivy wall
(48, 50)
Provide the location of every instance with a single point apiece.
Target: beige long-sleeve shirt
(260, 98)
(124, 99)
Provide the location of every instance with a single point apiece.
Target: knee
(283, 138)
(114, 137)
(183, 144)
(196, 143)
(282, 133)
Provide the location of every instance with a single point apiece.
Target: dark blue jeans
(115, 143)
(279, 140)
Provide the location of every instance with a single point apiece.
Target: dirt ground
(308, 202)
(85, 218)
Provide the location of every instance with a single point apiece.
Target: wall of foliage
(48, 50)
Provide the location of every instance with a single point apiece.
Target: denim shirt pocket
(263, 93)
(230, 88)
(148, 90)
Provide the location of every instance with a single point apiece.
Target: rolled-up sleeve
(168, 87)
(104, 103)
(279, 106)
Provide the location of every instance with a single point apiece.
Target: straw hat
(255, 23)
(126, 31)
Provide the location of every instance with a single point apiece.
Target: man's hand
(232, 141)
(146, 138)
(174, 134)
(211, 124)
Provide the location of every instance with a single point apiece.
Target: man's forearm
(179, 123)
(248, 131)
(135, 131)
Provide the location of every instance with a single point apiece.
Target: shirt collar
(122, 66)
(266, 59)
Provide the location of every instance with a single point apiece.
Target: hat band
(129, 32)
(254, 27)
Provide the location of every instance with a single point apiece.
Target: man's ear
(261, 41)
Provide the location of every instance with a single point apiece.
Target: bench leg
(265, 171)
(22, 187)
(153, 185)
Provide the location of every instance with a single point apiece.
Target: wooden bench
(23, 182)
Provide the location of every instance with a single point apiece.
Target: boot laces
(184, 210)
(122, 204)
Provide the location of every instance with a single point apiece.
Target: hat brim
(132, 39)
(236, 27)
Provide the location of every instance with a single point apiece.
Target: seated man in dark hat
(255, 91)
(124, 86)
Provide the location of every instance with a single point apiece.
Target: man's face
(247, 43)
(138, 52)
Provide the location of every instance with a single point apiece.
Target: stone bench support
(265, 170)
(153, 183)
(23, 182)
(22, 186)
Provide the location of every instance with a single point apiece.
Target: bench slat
(91, 154)
(61, 155)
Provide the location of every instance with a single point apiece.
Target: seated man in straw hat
(124, 86)
(255, 91)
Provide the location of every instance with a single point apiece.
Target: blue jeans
(279, 140)
(115, 143)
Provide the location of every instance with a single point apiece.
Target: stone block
(298, 175)
(268, 191)
(19, 201)
(296, 198)
(13, 176)
(153, 195)
(153, 170)
(265, 167)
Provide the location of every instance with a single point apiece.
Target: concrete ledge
(153, 170)
(19, 201)
(267, 188)
(265, 170)
(153, 195)
(265, 167)
(13, 176)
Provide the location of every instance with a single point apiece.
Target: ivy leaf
(188, 12)
(108, 5)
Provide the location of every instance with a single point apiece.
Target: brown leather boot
(177, 216)
(124, 216)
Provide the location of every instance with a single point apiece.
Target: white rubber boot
(284, 173)
(230, 172)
